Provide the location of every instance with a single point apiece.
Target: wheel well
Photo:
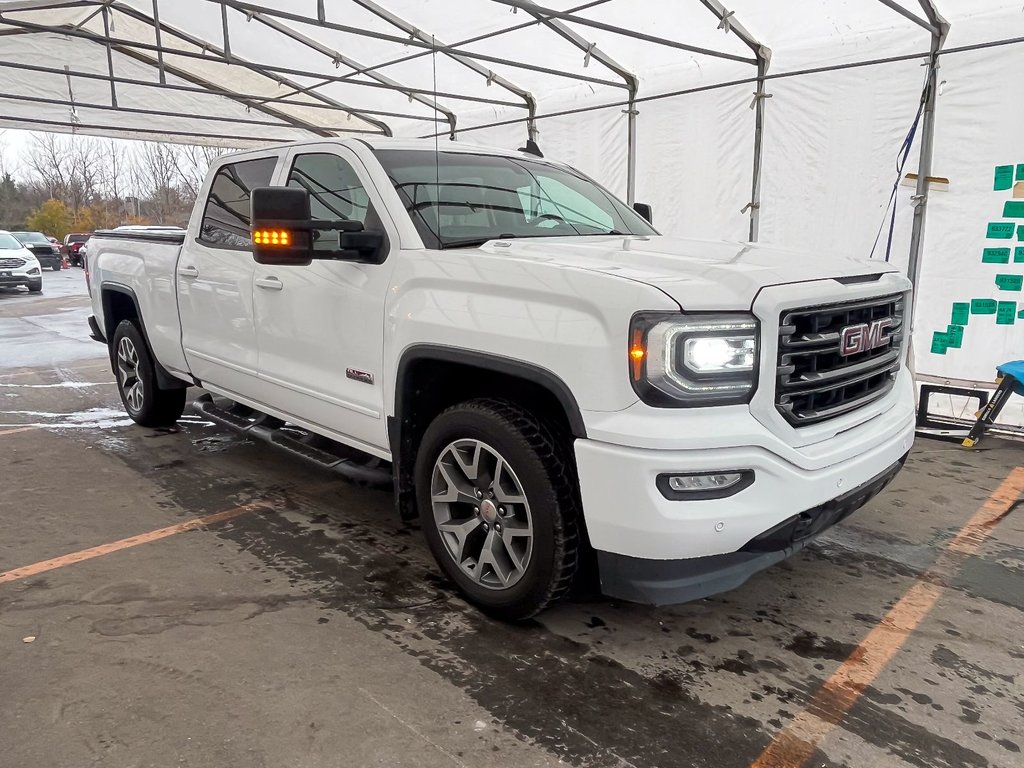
(117, 306)
(428, 385)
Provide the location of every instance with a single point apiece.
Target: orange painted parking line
(133, 541)
(795, 743)
(16, 430)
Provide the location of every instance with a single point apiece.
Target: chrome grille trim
(11, 262)
(814, 382)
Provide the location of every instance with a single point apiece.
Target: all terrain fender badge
(357, 375)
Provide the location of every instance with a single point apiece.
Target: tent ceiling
(236, 72)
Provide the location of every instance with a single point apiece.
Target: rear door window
(226, 217)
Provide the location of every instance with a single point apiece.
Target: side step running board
(294, 440)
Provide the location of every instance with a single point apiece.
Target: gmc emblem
(864, 336)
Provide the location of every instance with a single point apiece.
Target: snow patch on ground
(61, 385)
(93, 418)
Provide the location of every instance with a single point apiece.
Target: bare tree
(192, 163)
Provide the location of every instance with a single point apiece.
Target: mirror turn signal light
(271, 237)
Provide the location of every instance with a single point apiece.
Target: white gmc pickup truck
(546, 380)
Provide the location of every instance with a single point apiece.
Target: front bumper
(654, 549)
(666, 582)
(19, 278)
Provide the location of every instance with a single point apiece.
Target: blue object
(1015, 370)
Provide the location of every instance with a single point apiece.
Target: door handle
(188, 271)
(269, 283)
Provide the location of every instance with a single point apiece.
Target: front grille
(815, 382)
(11, 263)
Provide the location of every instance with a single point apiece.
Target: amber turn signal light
(271, 237)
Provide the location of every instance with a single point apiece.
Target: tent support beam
(632, 83)
(528, 5)
(924, 165)
(339, 58)
(763, 55)
(908, 15)
(469, 40)
(110, 55)
(436, 46)
(233, 95)
(159, 44)
(414, 42)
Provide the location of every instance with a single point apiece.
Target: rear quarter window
(226, 217)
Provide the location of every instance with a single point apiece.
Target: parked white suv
(18, 265)
(540, 373)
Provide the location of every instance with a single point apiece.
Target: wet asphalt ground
(313, 629)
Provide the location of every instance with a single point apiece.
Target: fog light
(704, 485)
(703, 482)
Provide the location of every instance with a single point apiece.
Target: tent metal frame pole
(924, 165)
(220, 93)
(471, 40)
(926, 24)
(527, 5)
(107, 130)
(159, 43)
(77, 104)
(631, 81)
(339, 58)
(435, 46)
(270, 71)
(110, 55)
(411, 41)
(126, 48)
(763, 55)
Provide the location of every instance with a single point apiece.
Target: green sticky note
(1020, 172)
(995, 256)
(940, 342)
(1010, 282)
(1020, 231)
(954, 336)
(961, 313)
(983, 306)
(1018, 255)
(1020, 314)
(1007, 313)
(1004, 177)
(1000, 230)
(1013, 209)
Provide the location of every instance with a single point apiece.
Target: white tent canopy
(778, 121)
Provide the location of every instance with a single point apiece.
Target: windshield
(458, 199)
(32, 237)
(9, 243)
(77, 238)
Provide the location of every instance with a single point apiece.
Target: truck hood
(698, 274)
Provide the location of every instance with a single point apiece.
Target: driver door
(320, 328)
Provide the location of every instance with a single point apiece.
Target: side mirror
(280, 224)
(284, 234)
(644, 209)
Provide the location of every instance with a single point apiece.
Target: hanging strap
(901, 162)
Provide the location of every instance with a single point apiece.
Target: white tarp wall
(830, 141)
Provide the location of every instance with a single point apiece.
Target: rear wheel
(498, 504)
(143, 400)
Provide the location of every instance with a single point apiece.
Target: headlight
(680, 360)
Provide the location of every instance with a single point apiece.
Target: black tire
(36, 287)
(148, 406)
(547, 478)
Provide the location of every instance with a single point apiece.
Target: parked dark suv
(72, 243)
(46, 252)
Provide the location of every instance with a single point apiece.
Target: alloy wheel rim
(482, 514)
(128, 374)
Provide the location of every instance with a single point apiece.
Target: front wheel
(35, 286)
(144, 401)
(498, 503)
